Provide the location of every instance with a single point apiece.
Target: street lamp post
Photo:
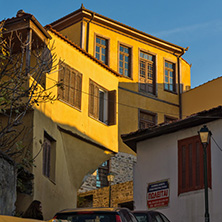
(205, 135)
(110, 178)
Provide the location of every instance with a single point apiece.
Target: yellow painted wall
(130, 99)
(203, 97)
(74, 157)
(73, 32)
(65, 114)
(131, 102)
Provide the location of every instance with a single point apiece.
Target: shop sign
(158, 194)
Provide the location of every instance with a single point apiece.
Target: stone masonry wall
(120, 193)
(122, 167)
(7, 185)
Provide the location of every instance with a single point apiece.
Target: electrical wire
(216, 144)
(122, 104)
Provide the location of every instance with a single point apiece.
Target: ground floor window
(49, 156)
(190, 165)
(101, 175)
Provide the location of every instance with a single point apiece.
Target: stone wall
(121, 165)
(7, 185)
(120, 193)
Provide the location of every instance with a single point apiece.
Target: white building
(170, 164)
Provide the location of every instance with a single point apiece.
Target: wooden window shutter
(61, 80)
(96, 101)
(91, 96)
(78, 90)
(72, 88)
(112, 107)
(66, 83)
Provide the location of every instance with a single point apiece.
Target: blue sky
(196, 23)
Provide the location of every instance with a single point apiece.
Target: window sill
(148, 93)
(98, 120)
(192, 192)
(130, 78)
(72, 106)
(52, 181)
(173, 92)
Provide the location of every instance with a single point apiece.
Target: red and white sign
(158, 194)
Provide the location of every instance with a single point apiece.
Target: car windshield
(141, 217)
(86, 217)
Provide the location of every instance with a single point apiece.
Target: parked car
(4, 218)
(95, 215)
(150, 216)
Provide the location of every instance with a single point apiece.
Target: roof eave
(192, 121)
(85, 13)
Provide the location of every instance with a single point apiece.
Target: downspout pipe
(179, 89)
(88, 27)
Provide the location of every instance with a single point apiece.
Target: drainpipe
(179, 92)
(87, 38)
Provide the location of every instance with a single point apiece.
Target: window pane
(97, 56)
(126, 50)
(101, 106)
(97, 49)
(121, 48)
(103, 42)
(103, 58)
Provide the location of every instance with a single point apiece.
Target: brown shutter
(66, 83)
(61, 80)
(91, 96)
(96, 101)
(72, 88)
(78, 90)
(112, 107)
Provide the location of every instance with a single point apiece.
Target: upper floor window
(125, 61)
(147, 76)
(101, 175)
(101, 52)
(190, 165)
(170, 77)
(102, 103)
(146, 119)
(49, 156)
(72, 85)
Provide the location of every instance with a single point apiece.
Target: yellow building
(203, 97)
(79, 130)
(116, 79)
(153, 71)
